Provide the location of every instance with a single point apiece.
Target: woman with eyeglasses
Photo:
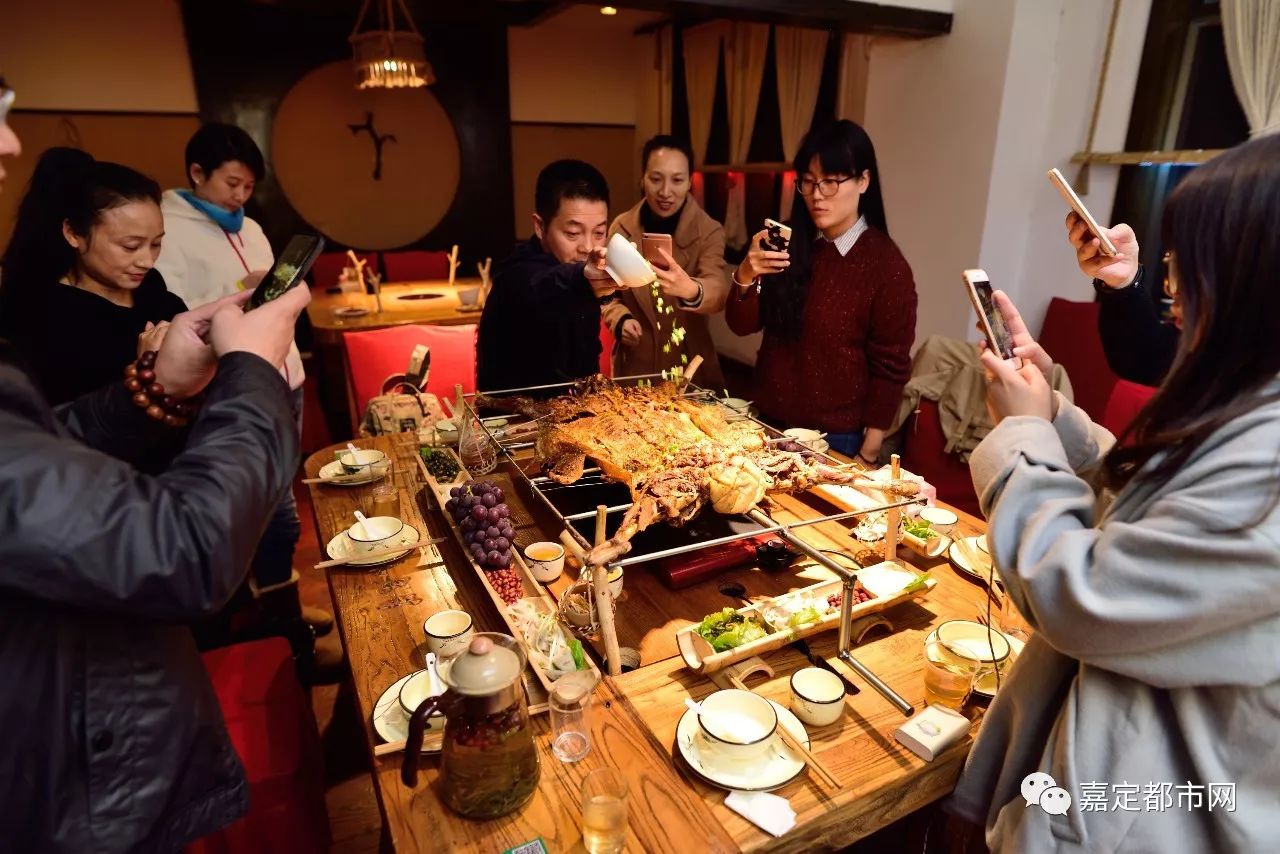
(838, 309)
(1138, 343)
(1150, 690)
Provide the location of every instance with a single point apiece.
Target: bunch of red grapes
(480, 510)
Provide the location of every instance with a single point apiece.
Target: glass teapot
(489, 765)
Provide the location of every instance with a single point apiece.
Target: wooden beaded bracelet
(149, 395)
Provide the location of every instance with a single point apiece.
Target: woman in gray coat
(1150, 692)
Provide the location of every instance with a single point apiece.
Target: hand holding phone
(1055, 178)
(649, 246)
(999, 339)
(777, 237)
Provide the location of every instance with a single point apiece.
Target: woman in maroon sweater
(839, 309)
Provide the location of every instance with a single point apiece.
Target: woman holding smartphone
(691, 277)
(1154, 663)
(838, 309)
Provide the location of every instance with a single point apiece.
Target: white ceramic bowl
(625, 264)
(447, 431)
(817, 696)
(737, 404)
(448, 632)
(615, 581)
(546, 561)
(469, 296)
(811, 439)
(737, 725)
(376, 531)
(416, 689)
(940, 518)
(577, 611)
(360, 461)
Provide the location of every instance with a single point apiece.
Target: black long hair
(67, 185)
(1222, 225)
(843, 148)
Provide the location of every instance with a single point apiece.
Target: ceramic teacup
(942, 519)
(359, 461)
(737, 725)
(615, 582)
(625, 265)
(375, 532)
(448, 632)
(469, 297)
(417, 688)
(546, 561)
(817, 696)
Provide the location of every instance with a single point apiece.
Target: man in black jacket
(541, 322)
(112, 736)
(1139, 345)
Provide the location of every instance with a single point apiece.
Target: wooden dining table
(380, 613)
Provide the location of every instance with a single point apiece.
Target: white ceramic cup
(942, 519)
(375, 532)
(615, 582)
(546, 561)
(737, 725)
(448, 632)
(469, 297)
(625, 265)
(817, 696)
(416, 689)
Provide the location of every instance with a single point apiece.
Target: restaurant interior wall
(965, 127)
(134, 112)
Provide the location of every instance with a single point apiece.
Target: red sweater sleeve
(893, 330)
(742, 311)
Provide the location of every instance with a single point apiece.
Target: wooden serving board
(689, 648)
(534, 593)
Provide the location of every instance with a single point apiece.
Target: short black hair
(217, 143)
(664, 140)
(567, 179)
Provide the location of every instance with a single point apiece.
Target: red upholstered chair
(415, 266)
(328, 267)
(375, 354)
(1070, 337)
(273, 731)
(1126, 400)
(924, 448)
(606, 349)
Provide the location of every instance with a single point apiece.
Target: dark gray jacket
(110, 735)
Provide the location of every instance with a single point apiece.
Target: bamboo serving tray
(534, 592)
(689, 642)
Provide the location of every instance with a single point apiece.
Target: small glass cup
(570, 705)
(947, 681)
(604, 811)
(386, 500)
(1008, 619)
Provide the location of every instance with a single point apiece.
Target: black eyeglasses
(827, 187)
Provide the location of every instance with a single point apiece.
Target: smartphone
(984, 303)
(1107, 247)
(649, 246)
(777, 237)
(291, 266)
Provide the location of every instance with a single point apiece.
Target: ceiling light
(387, 58)
(608, 10)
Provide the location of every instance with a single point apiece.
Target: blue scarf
(229, 222)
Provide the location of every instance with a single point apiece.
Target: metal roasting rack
(756, 522)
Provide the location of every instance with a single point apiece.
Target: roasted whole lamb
(674, 454)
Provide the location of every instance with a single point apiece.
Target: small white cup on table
(546, 561)
(448, 632)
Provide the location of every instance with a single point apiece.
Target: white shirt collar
(845, 241)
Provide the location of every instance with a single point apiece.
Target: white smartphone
(980, 294)
(777, 238)
(1055, 177)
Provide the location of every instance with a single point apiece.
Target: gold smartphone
(1055, 177)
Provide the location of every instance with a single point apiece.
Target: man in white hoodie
(212, 249)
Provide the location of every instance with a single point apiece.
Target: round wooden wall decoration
(373, 168)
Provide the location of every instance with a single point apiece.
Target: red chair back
(925, 449)
(415, 266)
(1126, 400)
(1070, 337)
(269, 719)
(606, 349)
(375, 354)
(328, 267)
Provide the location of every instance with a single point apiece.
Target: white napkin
(770, 813)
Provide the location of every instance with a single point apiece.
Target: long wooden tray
(689, 648)
(534, 592)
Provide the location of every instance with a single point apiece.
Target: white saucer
(334, 469)
(341, 546)
(773, 770)
(986, 686)
(958, 560)
(392, 724)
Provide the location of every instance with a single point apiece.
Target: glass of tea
(386, 500)
(604, 811)
(947, 680)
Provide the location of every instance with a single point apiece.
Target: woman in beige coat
(694, 284)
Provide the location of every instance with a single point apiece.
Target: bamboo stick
(895, 515)
(604, 602)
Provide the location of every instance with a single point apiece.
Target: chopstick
(339, 478)
(398, 746)
(385, 550)
(821, 771)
